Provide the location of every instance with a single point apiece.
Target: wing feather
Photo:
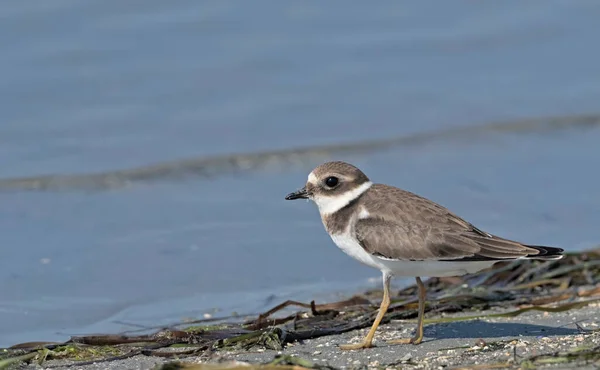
(409, 227)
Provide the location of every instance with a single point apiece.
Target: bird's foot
(413, 340)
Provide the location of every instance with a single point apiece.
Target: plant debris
(507, 289)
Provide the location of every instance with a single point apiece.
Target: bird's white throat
(331, 204)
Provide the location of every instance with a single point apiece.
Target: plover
(403, 234)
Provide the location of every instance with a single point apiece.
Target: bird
(403, 234)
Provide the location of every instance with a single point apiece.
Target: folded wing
(418, 242)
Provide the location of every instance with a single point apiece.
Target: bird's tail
(545, 253)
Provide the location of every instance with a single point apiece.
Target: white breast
(347, 243)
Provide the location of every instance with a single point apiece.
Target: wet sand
(522, 314)
(502, 342)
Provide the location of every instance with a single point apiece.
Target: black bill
(299, 194)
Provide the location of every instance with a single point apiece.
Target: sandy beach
(528, 314)
(531, 340)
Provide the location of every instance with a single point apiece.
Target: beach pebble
(406, 357)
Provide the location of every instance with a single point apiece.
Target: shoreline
(528, 314)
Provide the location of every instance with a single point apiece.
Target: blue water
(106, 85)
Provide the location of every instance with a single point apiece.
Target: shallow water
(111, 85)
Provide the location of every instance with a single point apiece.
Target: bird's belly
(430, 268)
(433, 268)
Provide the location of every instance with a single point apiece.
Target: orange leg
(419, 334)
(385, 303)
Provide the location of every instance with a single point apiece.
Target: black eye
(331, 181)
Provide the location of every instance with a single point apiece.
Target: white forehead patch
(312, 178)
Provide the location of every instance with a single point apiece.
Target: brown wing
(416, 228)
(412, 242)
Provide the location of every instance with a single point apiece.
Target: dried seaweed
(514, 287)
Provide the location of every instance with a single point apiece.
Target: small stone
(316, 353)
